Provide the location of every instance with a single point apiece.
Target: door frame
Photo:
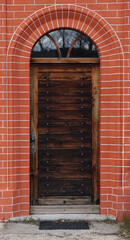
(95, 63)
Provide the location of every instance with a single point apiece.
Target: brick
(21, 200)
(5, 216)
(97, 7)
(23, 2)
(112, 212)
(15, 8)
(117, 6)
(50, 2)
(16, 208)
(106, 1)
(112, 198)
(103, 197)
(32, 8)
(106, 204)
(14, 22)
(7, 194)
(6, 201)
(24, 207)
(8, 209)
(24, 192)
(103, 211)
(21, 14)
(106, 190)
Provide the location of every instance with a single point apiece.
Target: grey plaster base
(96, 227)
(38, 217)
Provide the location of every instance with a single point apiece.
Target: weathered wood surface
(65, 130)
(72, 209)
(96, 133)
(65, 75)
(34, 130)
(64, 101)
(65, 60)
(62, 200)
(64, 188)
(64, 68)
(62, 123)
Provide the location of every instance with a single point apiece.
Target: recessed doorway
(65, 164)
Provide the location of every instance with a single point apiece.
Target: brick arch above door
(18, 67)
(66, 16)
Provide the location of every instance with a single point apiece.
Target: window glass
(44, 48)
(64, 38)
(84, 47)
(62, 43)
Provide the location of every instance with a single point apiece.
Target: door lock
(32, 142)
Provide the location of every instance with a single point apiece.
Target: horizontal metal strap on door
(50, 86)
(64, 145)
(65, 137)
(65, 76)
(49, 108)
(64, 161)
(76, 130)
(65, 152)
(64, 95)
(71, 167)
(61, 101)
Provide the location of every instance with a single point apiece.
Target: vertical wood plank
(34, 129)
(96, 132)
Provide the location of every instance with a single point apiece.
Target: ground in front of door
(107, 230)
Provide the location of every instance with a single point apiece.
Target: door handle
(32, 142)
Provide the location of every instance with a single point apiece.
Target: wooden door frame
(95, 120)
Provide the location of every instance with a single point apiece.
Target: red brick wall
(21, 24)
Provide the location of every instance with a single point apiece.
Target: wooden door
(64, 116)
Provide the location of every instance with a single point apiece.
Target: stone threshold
(53, 217)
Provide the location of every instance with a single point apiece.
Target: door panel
(63, 130)
(56, 88)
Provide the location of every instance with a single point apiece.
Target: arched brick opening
(18, 102)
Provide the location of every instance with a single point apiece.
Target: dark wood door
(62, 124)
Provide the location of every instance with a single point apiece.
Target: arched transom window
(64, 43)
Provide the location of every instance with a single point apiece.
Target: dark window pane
(44, 48)
(64, 38)
(85, 48)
